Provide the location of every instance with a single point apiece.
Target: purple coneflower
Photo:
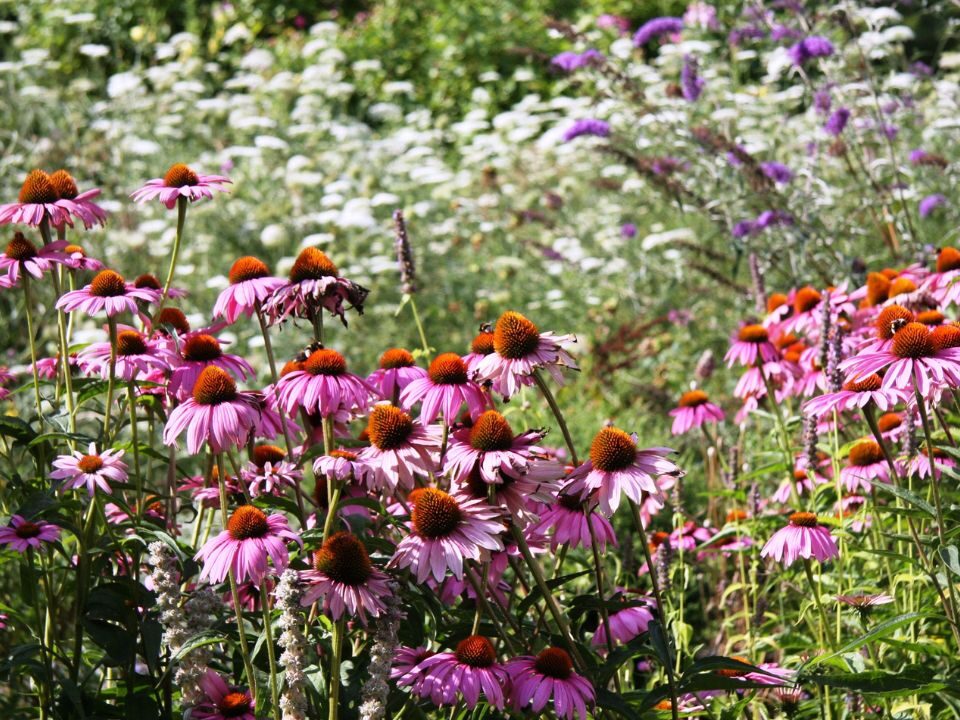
(400, 449)
(315, 284)
(135, 355)
(22, 534)
(269, 472)
(108, 292)
(803, 537)
(223, 702)
(180, 181)
(466, 674)
(693, 411)
(490, 447)
(22, 256)
(855, 394)
(92, 469)
(444, 390)
(36, 203)
(196, 352)
(549, 675)
(397, 370)
(251, 285)
(78, 204)
(568, 519)
(626, 624)
(750, 343)
(322, 386)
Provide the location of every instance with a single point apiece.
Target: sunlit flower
(694, 410)
(490, 447)
(251, 285)
(107, 292)
(22, 534)
(91, 470)
(22, 256)
(321, 385)
(399, 450)
(78, 204)
(36, 203)
(866, 464)
(444, 391)
(344, 578)
(223, 702)
(549, 675)
(568, 520)
(464, 675)
(190, 355)
(856, 394)
(180, 182)
(315, 284)
(750, 343)
(803, 537)
(269, 472)
(626, 624)
(397, 370)
(135, 355)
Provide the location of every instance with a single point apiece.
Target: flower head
(251, 285)
(444, 390)
(315, 284)
(803, 537)
(36, 203)
(322, 386)
(466, 674)
(222, 701)
(180, 182)
(549, 675)
(21, 256)
(92, 469)
(399, 450)
(22, 534)
(250, 538)
(107, 292)
(397, 370)
(693, 411)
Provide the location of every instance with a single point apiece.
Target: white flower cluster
(293, 701)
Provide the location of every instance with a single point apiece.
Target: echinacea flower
(36, 203)
(571, 521)
(516, 495)
(803, 537)
(92, 469)
(519, 350)
(108, 292)
(22, 256)
(466, 674)
(135, 355)
(444, 533)
(480, 347)
(251, 285)
(626, 624)
(345, 579)
(195, 352)
(400, 449)
(549, 675)
(397, 370)
(222, 702)
(250, 538)
(855, 394)
(315, 284)
(490, 447)
(216, 414)
(269, 472)
(617, 466)
(693, 411)
(404, 669)
(22, 534)
(751, 342)
(77, 259)
(180, 182)
(444, 390)
(345, 465)
(866, 464)
(207, 493)
(921, 464)
(322, 386)
(78, 204)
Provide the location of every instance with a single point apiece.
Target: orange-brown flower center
(396, 358)
(201, 348)
(20, 249)
(693, 398)
(389, 427)
(234, 704)
(803, 519)
(878, 288)
(514, 336)
(775, 301)
(870, 383)
(174, 318)
(889, 421)
(325, 362)
(753, 334)
(866, 452)
(247, 522)
(491, 432)
(448, 369)
(902, 286)
(806, 299)
(482, 344)
(89, 463)
(612, 449)
(147, 281)
(435, 514)
(931, 317)
(74, 250)
(37, 189)
(948, 259)
(345, 454)
(180, 175)
(312, 264)
(554, 662)
(130, 342)
(945, 336)
(912, 341)
(248, 268)
(476, 651)
(27, 530)
(736, 515)
(344, 559)
(263, 454)
(64, 185)
(108, 283)
(214, 386)
(291, 366)
(890, 318)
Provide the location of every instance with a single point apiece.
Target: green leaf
(951, 558)
(877, 682)
(909, 497)
(535, 594)
(880, 631)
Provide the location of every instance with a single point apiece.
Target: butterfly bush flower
(400, 449)
(778, 172)
(36, 203)
(520, 349)
(244, 546)
(180, 182)
(445, 532)
(814, 46)
(617, 466)
(930, 203)
(691, 83)
(93, 470)
(22, 256)
(396, 370)
(655, 28)
(22, 534)
(464, 675)
(107, 292)
(322, 386)
(570, 61)
(444, 390)
(549, 675)
(222, 701)
(251, 285)
(315, 284)
(586, 127)
(695, 410)
(345, 579)
(803, 537)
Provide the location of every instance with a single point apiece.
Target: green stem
(815, 589)
(782, 434)
(339, 628)
(33, 346)
(62, 336)
(134, 438)
(416, 319)
(112, 325)
(552, 402)
(43, 687)
(268, 632)
(181, 217)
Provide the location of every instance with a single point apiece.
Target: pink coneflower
(149, 281)
(568, 520)
(695, 409)
(616, 466)
(193, 354)
(250, 538)
(315, 284)
(36, 203)
(180, 181)
(78, 204)
(751, 342)
(343, 466)
(216, 414)
(626, 624)
(92, 470)
(22, 256)
(77, 259)
(324, 387)
(856, 394)
(866, 464)
(445, 532)
(466, 674)
(397, 370)
(251, 285)
(480, 347)
(109, 292)
(399, 449)
(346, 580)
(803, 482)
(223, 702)
(269, 472)
(405, 669)
(516, 495)
(206, 494)
(22, 534)
(912, 361)
(942, 284)
(803, 537)
(491, 448)
(136, 355)
(549, 675)
(921, 462)
(520, 349)
(444, 391)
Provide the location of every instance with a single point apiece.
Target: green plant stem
(339, 628)
(178, 240)
(815, 589)
(783, 436)
(134, 439)
(552, 402)
(28, 300)
(112, 326)
(43, 687)
(63, 336)
(268, 632)
(416, 318)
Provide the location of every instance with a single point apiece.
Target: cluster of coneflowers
(424, 457)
